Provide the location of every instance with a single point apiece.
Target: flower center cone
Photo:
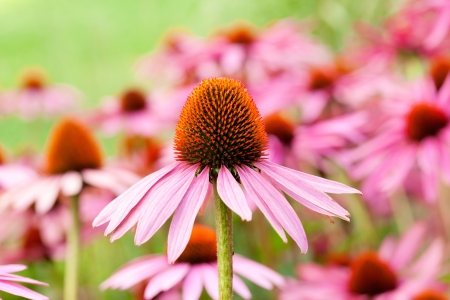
(201, 248)
(280, 127)
(133, 100)
(439, 69)
(71, 147)
(425, 120)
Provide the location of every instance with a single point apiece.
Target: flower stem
(224, 229)
(72, 254)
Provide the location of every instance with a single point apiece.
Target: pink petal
(166, 280)
(279, 206)
(135, 271)
(324, 185)
(12, 268)
(184, 217)
(387, 248)
(19, 290)
(46, 199)
(193, 284)
(240, 288)
(429, 264)
(408, 246)
(71, 183)
(210, 279)
(300, 190)
(232, 195)
(17, 278)
(161, 202)
(257, 273)
(103, 179)
(250, 194)
(116, 211)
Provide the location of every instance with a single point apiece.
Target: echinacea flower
(394, 272)
(132, 113)
(35, 97)
(194, 269)
(412, 142)
(8, 283)
(72, 159)
(220, 137)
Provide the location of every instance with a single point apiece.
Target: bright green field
(93, 46)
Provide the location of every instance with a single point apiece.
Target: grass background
(93, 46)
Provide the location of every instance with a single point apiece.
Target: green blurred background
(93, 45)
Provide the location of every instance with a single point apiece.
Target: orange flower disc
(220, 126)
(280, 127)
(439, 69)
(370, 275)
(72, 147)
(430, 295)
(202, 246)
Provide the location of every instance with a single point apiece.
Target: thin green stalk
(224, 231)
(72, 254)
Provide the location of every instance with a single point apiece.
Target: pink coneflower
(8, 283)
(395, 272)
(35, 97)
(439, 69)
(73, 158)
(219, 137)
(132, 113)
(412, 142)
(194, 269)
(422, 28)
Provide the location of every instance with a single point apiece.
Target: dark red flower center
(431, 294)
(425, 120)
(72, 147)
(33, 81)
(370, 275)
(280, 127)
(133, 100)
(220, 126)
(241, 33)
(440, 67)
(201, 248)
(321, 78)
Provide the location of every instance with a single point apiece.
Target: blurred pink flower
(395, 272)
(412, 141)
(36, 98)
(206, 153)
(194, 269)
(73, 158)
(422, 27)
(134, 114)
(8, 285)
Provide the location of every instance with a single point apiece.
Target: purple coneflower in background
(194, 269)
(220, 137)
(412, 142)
(8, 283)
(35, 97)
(395, 272)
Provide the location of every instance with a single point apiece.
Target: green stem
(72, 254)
(224, 229)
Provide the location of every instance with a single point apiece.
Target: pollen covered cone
(220, 126)
(33, 80)
(370, 275)
(425, 120)
(133, 100)
(71, 147)
(201, 248)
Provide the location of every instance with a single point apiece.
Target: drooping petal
(161, 202)
(211, 280)
(116, 211)
(71, 183)
(184, 217)
(408, 246)
(300, 190)
(232, 195)
(135, 271)
(193, 284)
(253, 196)
(21, 291)
(46, 199)
(166, 280)
(279, 206)
(257, 273)
(324, 185)
(12, 268)
(240, 288)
